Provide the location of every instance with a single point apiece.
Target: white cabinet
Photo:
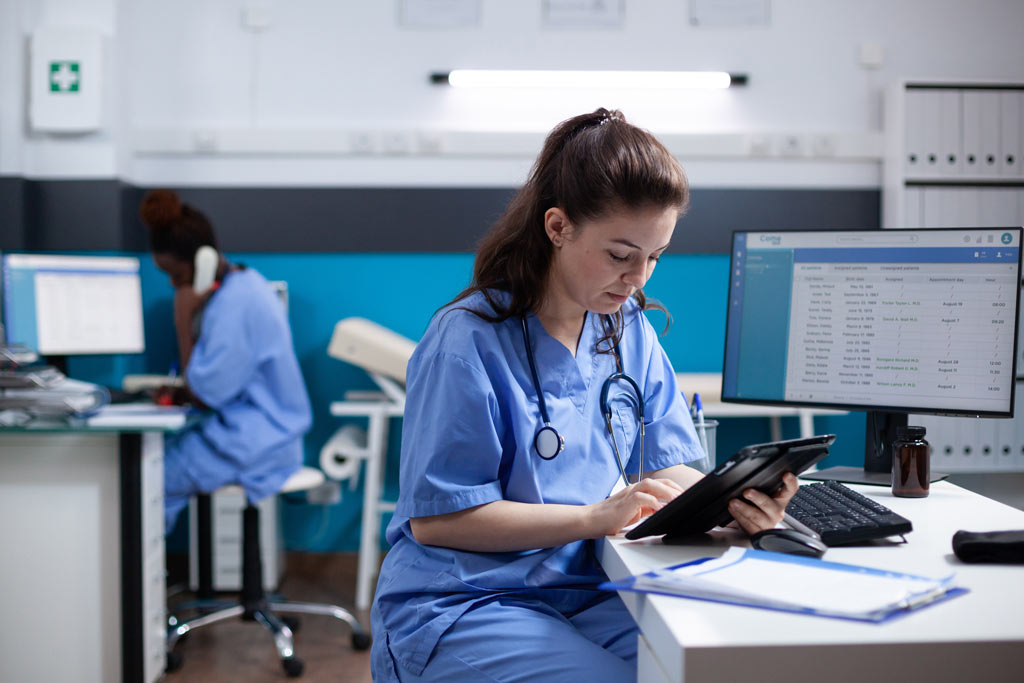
(226, 508)
(953, 159)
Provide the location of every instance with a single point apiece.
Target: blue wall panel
(401, 291)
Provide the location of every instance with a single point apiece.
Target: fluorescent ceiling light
(486, 78)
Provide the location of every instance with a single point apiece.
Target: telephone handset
(206, 262)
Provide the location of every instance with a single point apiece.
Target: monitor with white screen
(70, 305)
(885, 321)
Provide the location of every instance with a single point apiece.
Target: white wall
(208, 101)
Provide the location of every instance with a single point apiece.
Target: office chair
(253, 603)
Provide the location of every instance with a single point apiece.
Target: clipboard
(790, 583)
(704, 505)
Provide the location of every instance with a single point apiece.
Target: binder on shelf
(912, 212)
(931, 105)
(790, 583)
(998, 207)
(972, 133)
(1006, 439)
(950, 162)
(914, 138)
(985, 433)
(990, 130)
(1011, 107)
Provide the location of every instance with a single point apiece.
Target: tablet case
(704, 505)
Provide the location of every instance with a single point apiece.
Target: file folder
(791, 583)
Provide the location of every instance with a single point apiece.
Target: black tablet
(704, 505)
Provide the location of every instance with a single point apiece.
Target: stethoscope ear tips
(548, 442)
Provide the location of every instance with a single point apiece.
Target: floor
(234, 650)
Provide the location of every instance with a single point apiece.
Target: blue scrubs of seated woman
(235, 351)
(492, 573)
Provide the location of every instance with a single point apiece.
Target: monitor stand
(882, 429)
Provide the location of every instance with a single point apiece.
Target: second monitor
(890, 322)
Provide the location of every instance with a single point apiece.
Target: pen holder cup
(707, 463)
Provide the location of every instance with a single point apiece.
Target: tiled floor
(234, 650)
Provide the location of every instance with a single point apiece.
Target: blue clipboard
(940, 590)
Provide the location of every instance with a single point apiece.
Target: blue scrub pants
(517, 639)
(191, 466)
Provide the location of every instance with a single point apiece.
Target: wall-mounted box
(65, 80)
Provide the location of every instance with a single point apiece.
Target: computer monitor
(889, 322)
(70, 305)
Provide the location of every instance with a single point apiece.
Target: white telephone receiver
(207, 260)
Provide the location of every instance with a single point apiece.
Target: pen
(701, 431)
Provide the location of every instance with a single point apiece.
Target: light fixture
(495, 78)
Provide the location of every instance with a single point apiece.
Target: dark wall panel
(12, 213)
(350, 219)
(715, 213)
(72, 214)
(97, 214)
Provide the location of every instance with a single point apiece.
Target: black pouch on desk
(989, 546)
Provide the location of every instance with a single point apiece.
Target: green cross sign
(64, 76)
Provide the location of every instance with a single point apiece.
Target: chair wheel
(292, 667)
(174, 661)
(292, 622)
(360, 641)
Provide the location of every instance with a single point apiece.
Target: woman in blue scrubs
(236, 355)
(492, 572)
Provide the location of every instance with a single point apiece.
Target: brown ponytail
(590, 165)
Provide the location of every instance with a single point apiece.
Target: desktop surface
(697, 637)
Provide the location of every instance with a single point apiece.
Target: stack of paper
(139, 415)
(58, 398)
(797, 584)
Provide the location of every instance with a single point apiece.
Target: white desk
(975, 637)
(82, 532)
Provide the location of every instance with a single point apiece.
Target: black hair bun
(160, 209)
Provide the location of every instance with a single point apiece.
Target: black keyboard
(840, 515)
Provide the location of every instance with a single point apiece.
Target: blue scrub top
(471, 414)
(243, 367)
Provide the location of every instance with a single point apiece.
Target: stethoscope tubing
(548, 442)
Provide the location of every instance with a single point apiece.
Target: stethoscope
(549, 443)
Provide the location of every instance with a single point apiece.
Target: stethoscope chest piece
(548, 442)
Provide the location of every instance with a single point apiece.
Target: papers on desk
(139, 415)
(791, 583)
(60, 397)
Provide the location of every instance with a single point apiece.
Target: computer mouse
(788, 541)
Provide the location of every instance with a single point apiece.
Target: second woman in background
(236, 356)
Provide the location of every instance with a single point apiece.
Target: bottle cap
(911, 432)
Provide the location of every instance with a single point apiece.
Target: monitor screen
(73, 304)
(920, 321)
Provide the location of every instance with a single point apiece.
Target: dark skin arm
(186, 304)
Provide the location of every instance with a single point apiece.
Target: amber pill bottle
(910, 466)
